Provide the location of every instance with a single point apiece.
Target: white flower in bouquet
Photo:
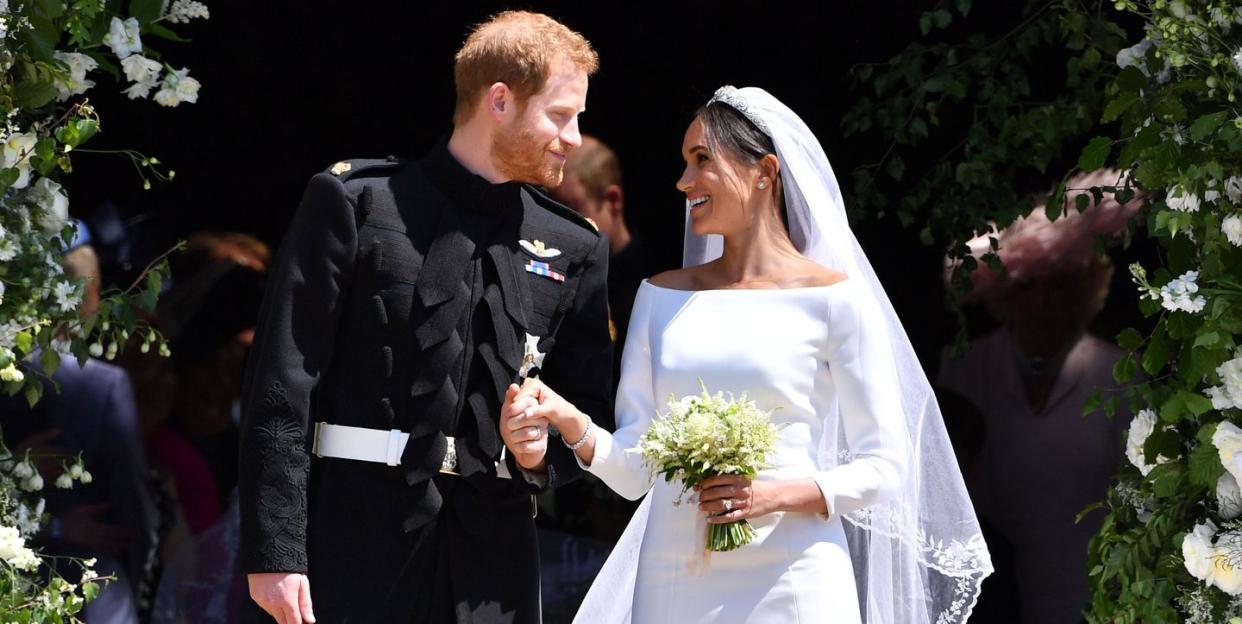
(177, 87)
(123, 37)
(86, 477)
(1228, 442)
(68, 296)
(1237, 60)
(1141, 427)
(182, 11)
(1227, 563)
(1197, 551)
(53, 205)
(143, 72)
(1179, 294)
(13, 550)
(29, 519)
(64, 481)
(1232, 227)
(708, 435)
(75, 83)
(33, 483)
(1228, 497)
(18, 149)
(1182, 200)
(23, 470)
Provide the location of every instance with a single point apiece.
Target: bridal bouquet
(708, 435)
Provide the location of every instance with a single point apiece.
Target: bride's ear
(769, 169)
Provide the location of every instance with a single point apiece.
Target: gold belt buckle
(449, 464)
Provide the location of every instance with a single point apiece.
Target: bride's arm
(868, 389)
(603, 453)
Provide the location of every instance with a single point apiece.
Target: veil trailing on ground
(919, 557)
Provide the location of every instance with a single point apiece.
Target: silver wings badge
(538, 249)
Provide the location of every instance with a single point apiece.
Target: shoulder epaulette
(355, 167)
(558, 208)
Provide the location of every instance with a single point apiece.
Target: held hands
(283, 595)
(525, 433)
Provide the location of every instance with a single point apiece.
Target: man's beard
(520, 157)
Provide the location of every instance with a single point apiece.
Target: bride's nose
(686, 181)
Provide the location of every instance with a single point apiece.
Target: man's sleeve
(293, 348)
(579, 367)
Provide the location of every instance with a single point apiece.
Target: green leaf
(90, 591)
(1167, 480)
(34, 93)
(1088, 509)
(1206, 125)
(1095, 153)
(1131, 79)
(50, 361)
(1092, 404)
(1196, 403)
(896, 167)
(1119, 105)
(1207, 339)
(1082, 202)
(34, 391)
(925, 23)
(963, 7)
(1124, 369)
(942, 18)
(1205, 467)
(1156, 355)
(163, 32)
(1129, 339)
(145, 11)
(1172, 409)
(24, 341)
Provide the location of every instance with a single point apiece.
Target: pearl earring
(763, 185)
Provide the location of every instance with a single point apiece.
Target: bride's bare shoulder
(678, 279)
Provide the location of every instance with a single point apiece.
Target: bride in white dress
(861, 514)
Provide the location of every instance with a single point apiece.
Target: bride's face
(716, 186)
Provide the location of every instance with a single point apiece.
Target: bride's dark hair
(730, 132)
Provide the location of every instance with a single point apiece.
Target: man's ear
(499, 101)
(615, 199)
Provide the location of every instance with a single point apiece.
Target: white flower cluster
(1136, 56)
(1229, 393)
(13, 550)
(1141, 428)
(175, 87)
(1179, 294)
(182, 11)
(1231, 226)
(1214, 559)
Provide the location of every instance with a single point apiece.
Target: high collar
(470, 192)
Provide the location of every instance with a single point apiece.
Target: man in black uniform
(405, 300)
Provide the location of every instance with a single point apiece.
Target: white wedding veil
(919, 557)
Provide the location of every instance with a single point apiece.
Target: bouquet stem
(731, 536)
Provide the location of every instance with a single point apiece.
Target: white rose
(141, 69)
(1141, 428)
(1220, 398)
(1197, 551)
(1228, 442)
(53, 204)
(1228, 497)
(17, 151)
(123, 37)
(1227, 563)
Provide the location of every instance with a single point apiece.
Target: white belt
(378, 445)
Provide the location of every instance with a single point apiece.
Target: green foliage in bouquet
(707, 435)
(1161, 104)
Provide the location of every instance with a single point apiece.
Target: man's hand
(284, 595)
(525, 434)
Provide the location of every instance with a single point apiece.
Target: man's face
(531, 146)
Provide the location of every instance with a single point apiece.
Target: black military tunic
(406, 296)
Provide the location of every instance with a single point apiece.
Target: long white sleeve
(860, 363)
(622, 471)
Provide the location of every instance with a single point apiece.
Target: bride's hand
(730, 498)
(544, 402)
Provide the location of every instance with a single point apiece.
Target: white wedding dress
(819, 358)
